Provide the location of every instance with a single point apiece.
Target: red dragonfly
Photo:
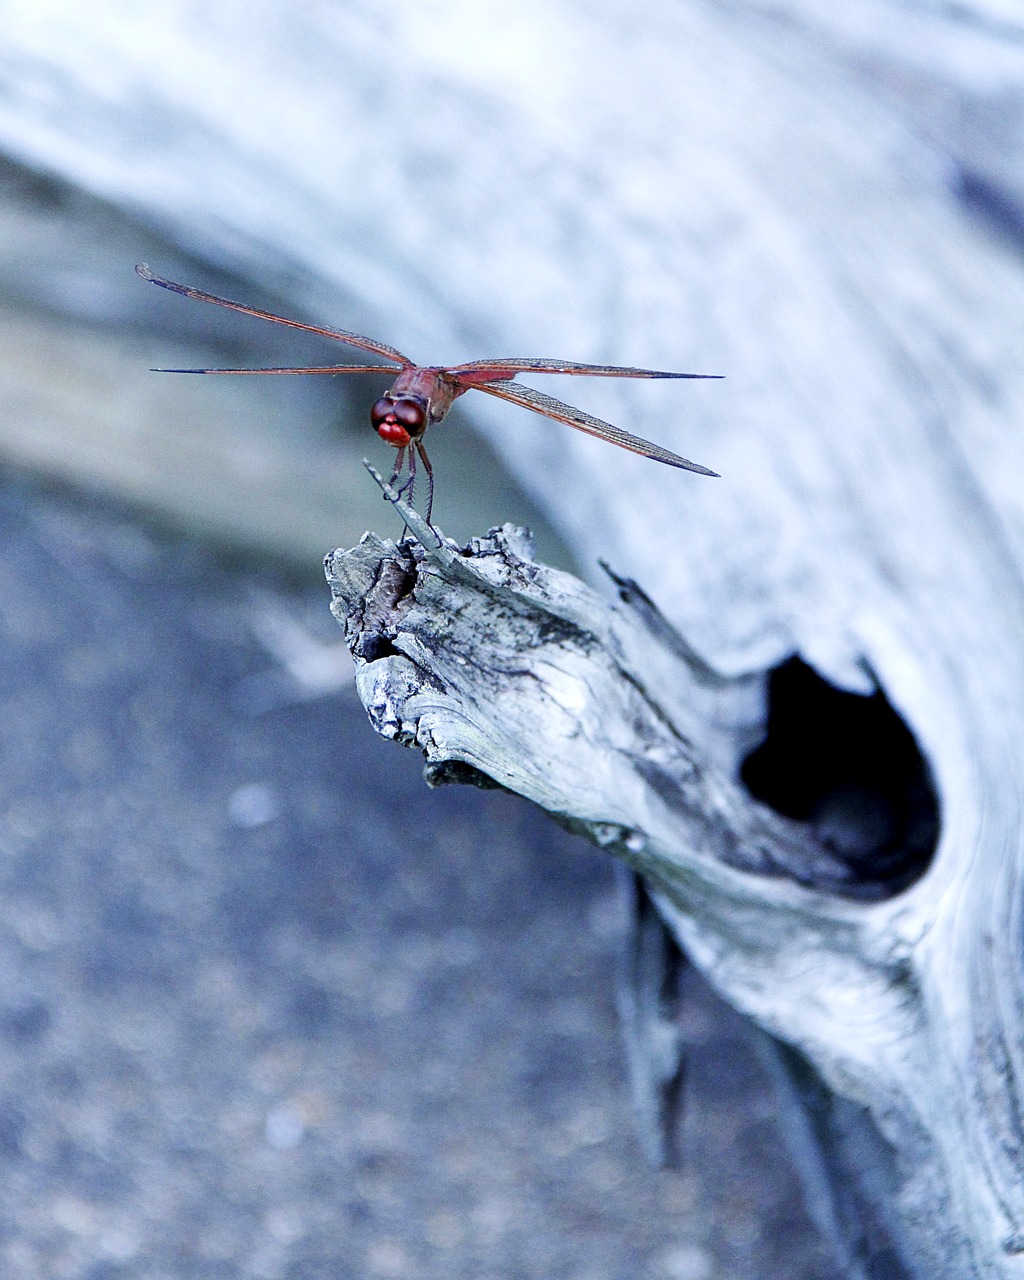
(422, 394)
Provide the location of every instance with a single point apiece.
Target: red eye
(380, 411)
(410, 413)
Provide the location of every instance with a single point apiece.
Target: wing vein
(339, 335)
(515, 364)
(529, 398)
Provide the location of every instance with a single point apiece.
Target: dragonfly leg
(399, 464)
(430, 478)
(406, 490)
(406, 486)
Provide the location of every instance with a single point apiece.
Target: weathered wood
(649, 1002)
(598, 714)
(633, 704)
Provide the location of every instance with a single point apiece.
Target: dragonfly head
(399, 421)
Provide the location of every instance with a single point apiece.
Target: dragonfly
(423, 394)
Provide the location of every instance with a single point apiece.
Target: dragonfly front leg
(399, 466)
(406, 487)
(405, 490)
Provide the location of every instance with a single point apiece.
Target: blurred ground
(270, 1008)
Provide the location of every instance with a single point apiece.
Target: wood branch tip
(385, 487)
(429, 537)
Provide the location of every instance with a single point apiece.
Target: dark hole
(847, 764)
(444, 772)
(375, 646)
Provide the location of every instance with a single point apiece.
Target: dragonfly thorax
(399, 421)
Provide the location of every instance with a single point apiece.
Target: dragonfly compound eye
(385, 423)
(412, 414)
(383, 409)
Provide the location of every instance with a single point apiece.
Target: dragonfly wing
(341, 335)
(491, 370)
(551, 408)
(330, 368)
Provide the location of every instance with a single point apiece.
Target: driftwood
(827, 208)
(501, 669)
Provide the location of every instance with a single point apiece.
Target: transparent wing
(329, 368)
(491, 370)
(551, 408)
(341, 335)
